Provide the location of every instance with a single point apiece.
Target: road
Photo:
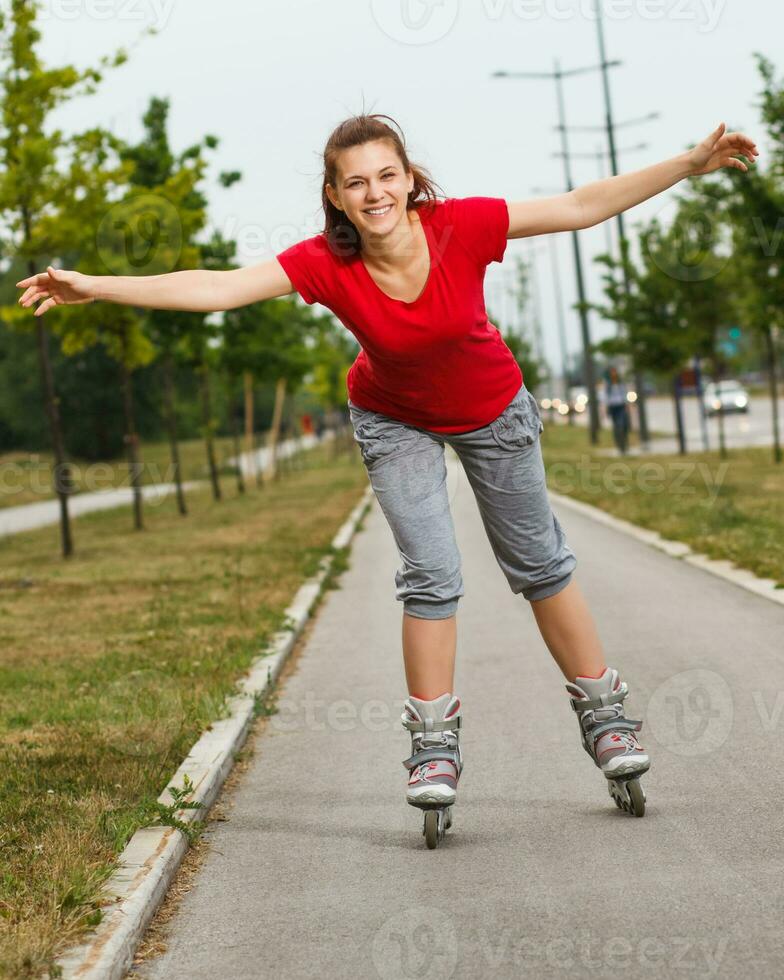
(42, 513)
(754, 428)
(321, 869)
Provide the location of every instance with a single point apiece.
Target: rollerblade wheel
(431, 828)
(628, 795)
(636, 797)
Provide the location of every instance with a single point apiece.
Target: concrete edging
(765, 587)
(151, 858)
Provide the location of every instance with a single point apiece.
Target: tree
(754, 207)
(275, 341)
(654, 333)
(30, 181)
(176, 177)
(103, 233)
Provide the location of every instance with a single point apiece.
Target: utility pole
(638, 379)
(600, 155)
(536, 310)
(590, 381)
(559, 307)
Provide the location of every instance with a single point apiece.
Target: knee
(431, 609)
(547, 589)
(430, 591)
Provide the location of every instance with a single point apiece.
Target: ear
(331, 195)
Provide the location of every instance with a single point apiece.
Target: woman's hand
(56, 287)
(716, 151)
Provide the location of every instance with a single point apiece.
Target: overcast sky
(271, 79)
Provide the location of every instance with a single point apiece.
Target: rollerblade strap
(613, 725)
(448, 725)
(430, 755)
(585, 704)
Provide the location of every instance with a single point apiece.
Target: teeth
(379, 210)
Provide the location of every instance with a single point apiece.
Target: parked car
(725, 396)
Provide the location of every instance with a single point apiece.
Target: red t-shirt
(436, 363)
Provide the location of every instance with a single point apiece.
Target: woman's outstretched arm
(599, 200)
(190, 290)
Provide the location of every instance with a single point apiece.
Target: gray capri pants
(503, 463)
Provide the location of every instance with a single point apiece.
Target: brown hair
(341, 233)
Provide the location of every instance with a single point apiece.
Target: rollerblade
(435, 763)
(608, 737)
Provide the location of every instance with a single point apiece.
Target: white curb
(152, 856)
(765, 587)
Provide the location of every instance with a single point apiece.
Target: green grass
(27, 477)
(114, 662)
(725, 508)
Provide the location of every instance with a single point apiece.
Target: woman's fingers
(33, 283)
(32, 291)
(746, 145)
(45, 306)
(39, 294)
(32, 280)
(35, 280)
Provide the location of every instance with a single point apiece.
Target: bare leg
(564, 620)
(569, 631)
(429, 647)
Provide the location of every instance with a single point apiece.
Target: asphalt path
(741, 429)
(321, 869)
(42, 513)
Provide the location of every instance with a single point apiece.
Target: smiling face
(372, 187)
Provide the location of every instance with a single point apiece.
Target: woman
(615, 402)
(404, 271)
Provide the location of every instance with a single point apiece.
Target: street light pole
(588, 365)
(560, 314)
(600, 156)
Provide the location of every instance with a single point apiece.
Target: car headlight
(741, 401)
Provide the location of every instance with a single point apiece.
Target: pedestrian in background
(615, 403)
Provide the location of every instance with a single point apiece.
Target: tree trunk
(235, 436)
(131, 441)
(641, 406)
(171, 426)
(272, 440)
(283, 459)
(719, 374)
(62, 471)
(770, 352)
(207, 417)
(299, 439)
(253, 467)
(676, 394)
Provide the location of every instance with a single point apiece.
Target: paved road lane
(321, 869)
(42, 513)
